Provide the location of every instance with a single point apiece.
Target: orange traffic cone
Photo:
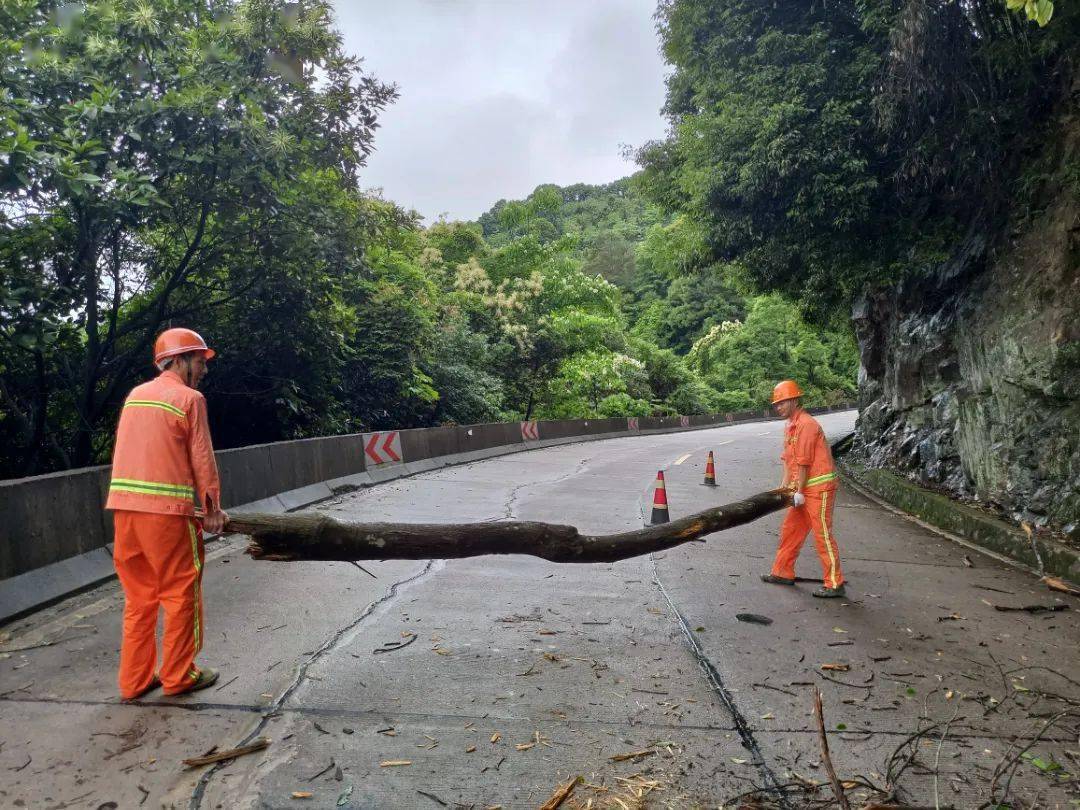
(710, 472)
(659, 501)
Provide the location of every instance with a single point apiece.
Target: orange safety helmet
(172, 342)
(786, 389)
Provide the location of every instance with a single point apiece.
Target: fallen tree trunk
(313, 536)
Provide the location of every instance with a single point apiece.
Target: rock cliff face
(970, 378)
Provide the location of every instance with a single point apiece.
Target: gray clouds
(498, 96)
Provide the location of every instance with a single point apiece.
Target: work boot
(830, 593)
(150, 687)
(775, 580)
(207, 677)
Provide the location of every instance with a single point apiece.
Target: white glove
(798, 499)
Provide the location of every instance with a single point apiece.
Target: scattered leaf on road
(1058, 584)
(836, 667)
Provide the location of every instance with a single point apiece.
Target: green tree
(546, 310)
(771, 155)
(743, 361)
(598, 383)
(826, 146)
(150, 149)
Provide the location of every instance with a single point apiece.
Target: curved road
(517, 674)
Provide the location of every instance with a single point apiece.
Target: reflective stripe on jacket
(805, 445)
(164, 459)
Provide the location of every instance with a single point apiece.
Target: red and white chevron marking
(632, 423)
(383, 448)
(684, 421)
(530, 431)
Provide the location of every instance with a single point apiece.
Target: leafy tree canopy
(825, 146)
(197, 163)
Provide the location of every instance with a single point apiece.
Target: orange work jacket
(164, 460)
(805, 445)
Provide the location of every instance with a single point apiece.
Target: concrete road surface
(519, 675)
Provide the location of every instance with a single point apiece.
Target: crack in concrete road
(327, 646)
(716, 683)
(511, 498)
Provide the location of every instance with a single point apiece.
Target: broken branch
(838, 789)
(560, 794)
(232, 753)
(313, 536)
(1032, 608)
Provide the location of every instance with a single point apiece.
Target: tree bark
(313, 536)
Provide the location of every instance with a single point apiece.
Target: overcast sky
(498, 96)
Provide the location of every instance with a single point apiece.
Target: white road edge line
(681, 459)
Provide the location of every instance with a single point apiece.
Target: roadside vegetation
(201, 163)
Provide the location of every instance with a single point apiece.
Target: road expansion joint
(712, 675)
(395, 713)
(715, 680)
(275, 708)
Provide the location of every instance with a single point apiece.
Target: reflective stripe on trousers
(824, 520)
(814, 517)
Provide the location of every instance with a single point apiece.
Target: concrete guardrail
(55, 534)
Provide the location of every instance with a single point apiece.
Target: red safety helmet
(786, 389)
(172, 342)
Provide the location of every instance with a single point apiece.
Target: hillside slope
(970, 378)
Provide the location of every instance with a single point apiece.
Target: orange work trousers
(813, 516)
(159, 560)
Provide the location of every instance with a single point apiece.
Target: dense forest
(200, 163)
(913, 166)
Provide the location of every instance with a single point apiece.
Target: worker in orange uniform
(163, 470)
(810, 475)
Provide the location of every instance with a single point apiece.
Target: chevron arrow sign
(383, 448)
